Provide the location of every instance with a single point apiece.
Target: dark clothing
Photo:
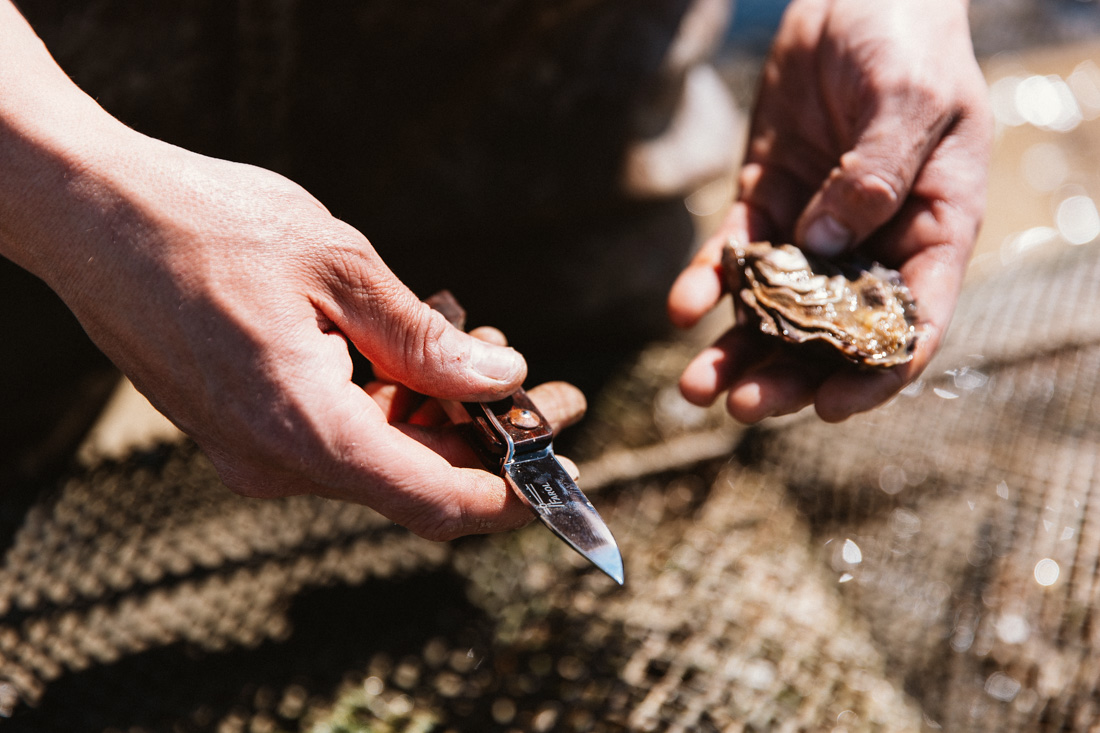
(479, 146)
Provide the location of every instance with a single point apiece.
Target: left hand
(871, 131)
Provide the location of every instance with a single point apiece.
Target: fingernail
(499, 363)
(827, 237)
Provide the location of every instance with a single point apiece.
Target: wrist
(50, 134)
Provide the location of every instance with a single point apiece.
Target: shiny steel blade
(514, 438)
(546, 487)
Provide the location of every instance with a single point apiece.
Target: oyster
(861, 308)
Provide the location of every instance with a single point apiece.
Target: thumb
(869, 185)
(415, 345)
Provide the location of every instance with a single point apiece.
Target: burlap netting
(932, 563)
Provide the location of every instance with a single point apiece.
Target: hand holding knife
(515, 441)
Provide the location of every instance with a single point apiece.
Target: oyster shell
(861, 308)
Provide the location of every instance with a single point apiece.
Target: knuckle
(424, 341)
(877, 187)
(885, 187)
(438, 525)
(881, 193)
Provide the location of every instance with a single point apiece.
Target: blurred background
(1040, 57)
(932, 566)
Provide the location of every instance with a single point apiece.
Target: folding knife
(515, 440)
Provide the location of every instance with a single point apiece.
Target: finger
(486, 334)
(408, 340)
(448, 502)
(781, 386)
(934, 235)
(445, 440)
(561, 403)
(775, 191)
(429, 414)
(717, 367)
(569, 466)
(702, 283)
(490, 335)
(344, 445)
(393, 400)
(934, 275)
(873, 179)
(406, 473)
(348, 452)
(851, 392)
(947, 200)
(699, 287)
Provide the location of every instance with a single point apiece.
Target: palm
(870, 131)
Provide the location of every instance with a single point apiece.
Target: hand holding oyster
(861, 308)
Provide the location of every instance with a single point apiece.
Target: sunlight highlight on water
(1012, 628)
(1001, 687)
(1046, 572)
(1077, 219)
(1048, 102)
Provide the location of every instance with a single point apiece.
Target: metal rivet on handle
(523, 419)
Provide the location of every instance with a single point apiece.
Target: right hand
(228, 295)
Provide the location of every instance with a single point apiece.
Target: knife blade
(515, 440)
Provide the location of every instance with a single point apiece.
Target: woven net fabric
(931, 565)
(972, 498)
